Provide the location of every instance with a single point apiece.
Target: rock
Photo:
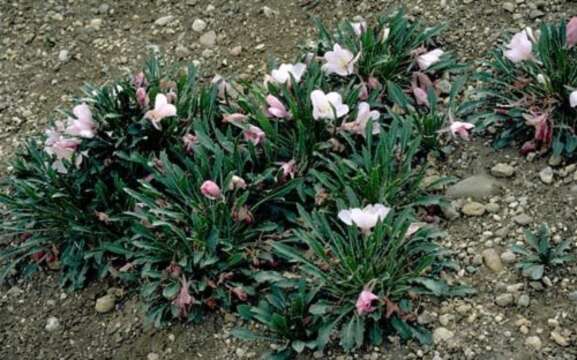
(504, 299)
(508, 257)
(523, 300)
(445, 319)
(573, 296)
(95, 24)
(536, 13)
(268, 12)
(559, 339)
(534, 342)
(522, 219)
(64, 56)
(450, 212)
(492, 260)
(474, 209)
(442, 334)
(493, 208)
(502, 170)
(546, 175)
(199, 25)
(52, 324)
(508, 6)
(163, 21)
(208, 39)
(152, 356)
(425, 318)
(235, 51)
(105, 304)
(555, 160)
(477, 187)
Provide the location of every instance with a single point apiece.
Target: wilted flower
(234, 118)
(413, 228)
(224, 88)
(82, 125)
(365, 218)
(573, 99)
(385, 34)
(276, 108)
(254, 134)
(210, 190)
(243, 214)
(364, 115)
(239, 293)
(461, 129)
(340, 61)
(183, 300)
(236, 182)
(420, 85)
(374, 83)
(520, 48)
(543, 130)
(284, 72)
(328, 106)
(142, 98)
(289, 169)
(189, 140)
(363, 91)
(365, 302)
(162, 109)
(359, 27)
(571, 31)
(139, 80)
(62, 148)
(429, 59)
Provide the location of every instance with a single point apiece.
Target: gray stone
(522, 219)
(523, 300)
(208, 39)
(163, 21)
(573, 296)
(152, 356)
(199, 25)
(504, 299)
(559, 339)
(442, 334)
(477, 187)
(52, 324)
(546, 175)
(508, 257)
(64, 56)
(508, 6)
(534, 342)
(502, 170)
(492, 260)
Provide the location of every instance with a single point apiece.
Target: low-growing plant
(368, 271)
(541, 254)
(529, 93)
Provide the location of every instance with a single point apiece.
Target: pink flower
(82, 125)
(189, 140)
(62, 148)
(277, 108)
(374, 83)
(429, 59)
(328, 106)
(365, 302)
(363, 91)
(142, 98)
(520, 48)
(359, 27)
(289, 169)
(543, 130)
(234, 118)
(366, 218)
(236, 182)
(364, 115)
(243, 214)
(421, 96)
(210, 190)
(183, 300)
(461, 129)
(254, 134)
(571, 31)
(573, 99)
(285, 71)
(340, 61)
(162, 109)
(420, 85)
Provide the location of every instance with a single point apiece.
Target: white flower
(284, 72)
(428, 59)
(82, 125)
(359, 27)
(340, 61)
(162, 109)
(363, 116)
(573, 99)
(365, 218)
(520, 48)
(328, 106)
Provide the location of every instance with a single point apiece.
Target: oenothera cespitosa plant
(64, 199)
(541, 254)
(530, 92)
(367, 263)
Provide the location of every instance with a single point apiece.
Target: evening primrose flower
(520, 48)
(210, 190)
(429, 59)
(162, 109)
(328, 106)
(571, 31)
(366, 218)
(82, 124)
(340, 61)
(573, 99)
(461, 129)
(283, 74)
(364, 115)
(365, 301)
(276, 107)
(254, 134)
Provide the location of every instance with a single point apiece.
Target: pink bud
(142, 98)
(237, 183)
(365, 302)
(254, 134)
(189, 141)
(234, 118)
(210, 190)
(571, 32)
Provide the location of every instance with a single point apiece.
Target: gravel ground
(49, 49)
